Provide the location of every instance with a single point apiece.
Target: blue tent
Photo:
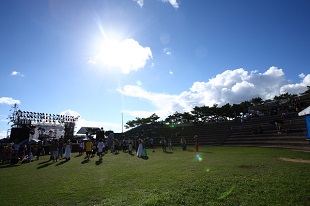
(306, 113)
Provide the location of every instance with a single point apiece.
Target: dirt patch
(294, 160)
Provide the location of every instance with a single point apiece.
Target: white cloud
(139, 2)
(3, 134)
(127, 55)
(8, 100)
(15, 73)
(172, 2)
(302, 75)
(70, 113)
(297, 88)
(141, 114)
(231, 86)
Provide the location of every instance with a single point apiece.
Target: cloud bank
(231, 86)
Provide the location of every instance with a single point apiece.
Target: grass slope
(213, 176)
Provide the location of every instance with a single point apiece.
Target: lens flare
(139, 83)
(225, 194)
(199, 157)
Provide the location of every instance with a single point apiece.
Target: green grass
(223, 176)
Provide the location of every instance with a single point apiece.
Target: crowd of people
(59, 149)
(27, 152)
(103, 146)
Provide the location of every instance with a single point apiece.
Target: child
(81, 148)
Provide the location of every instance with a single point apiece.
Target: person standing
(16, 148)
(100, 148)
(68, 149)
(82, 146)
(39, 150)
(89, 146)
(140, 148)
(60, 148)
(170, 142)
(183, 143)
(94, 149)
(196, 142)
(152, 143)
(163, 143)
(54, 149)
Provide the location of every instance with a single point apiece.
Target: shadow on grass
(98, 162)
(169, 152)
(8, 165)
(79, 155)
(41, 163)
(85, 161)
(206, 152)
(45, 165)
(62, 162)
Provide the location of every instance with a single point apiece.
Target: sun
(112, 52)
(126, 55)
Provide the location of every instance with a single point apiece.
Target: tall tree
(256, 100)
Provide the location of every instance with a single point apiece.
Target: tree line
(214, 113)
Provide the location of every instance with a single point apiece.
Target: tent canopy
(304, 112)
(90, 130)
(32, 141)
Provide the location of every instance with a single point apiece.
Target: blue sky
(101, 59)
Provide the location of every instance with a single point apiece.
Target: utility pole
(122, 123)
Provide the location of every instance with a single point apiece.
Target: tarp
(308, 125)
(304, 112)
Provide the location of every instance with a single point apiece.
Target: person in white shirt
(100, 148)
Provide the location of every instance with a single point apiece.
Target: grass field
(213, 176)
